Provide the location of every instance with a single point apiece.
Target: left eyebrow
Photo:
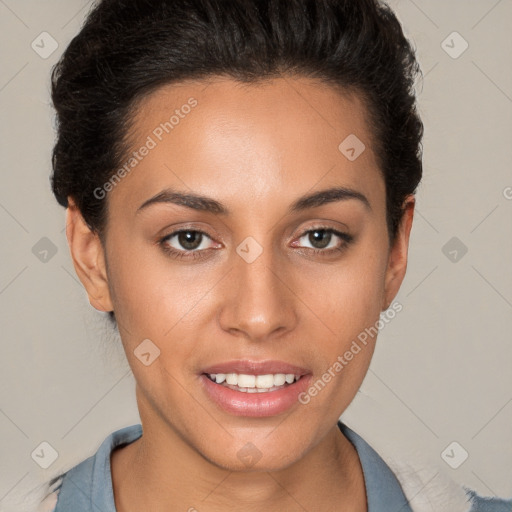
(328, 196)
(208, 204)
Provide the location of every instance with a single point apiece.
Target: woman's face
(268, 280)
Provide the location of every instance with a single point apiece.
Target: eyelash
(197, 254)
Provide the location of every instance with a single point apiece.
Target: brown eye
(320, 237)
(185, 240)
(189, 240)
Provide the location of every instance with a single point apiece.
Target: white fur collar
(427, 487)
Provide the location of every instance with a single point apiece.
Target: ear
(88, 258)
(397, 259)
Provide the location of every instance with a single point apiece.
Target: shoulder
(436, 494)
(429, 489)
(49, 502)
(484, 504)
(32, 497)
(424, 486)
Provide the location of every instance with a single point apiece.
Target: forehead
(269, 140)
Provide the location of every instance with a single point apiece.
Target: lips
(251, 401)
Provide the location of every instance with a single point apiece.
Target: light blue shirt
(87, 487)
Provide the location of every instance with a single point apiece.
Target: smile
(246, 383)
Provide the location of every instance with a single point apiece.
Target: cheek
(350, 308)
(150, 292)
(349, 305)
(346, 297)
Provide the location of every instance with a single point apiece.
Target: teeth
(246, 381)
(254, 383)
(265, 381)
(232, 378)
(279, 379)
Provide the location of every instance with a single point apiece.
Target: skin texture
(256, 149)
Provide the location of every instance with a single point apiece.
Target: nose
(259, 300)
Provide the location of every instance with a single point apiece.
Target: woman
(239, 178)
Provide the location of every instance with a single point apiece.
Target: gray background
(442, 368)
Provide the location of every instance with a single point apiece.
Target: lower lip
(269, 403)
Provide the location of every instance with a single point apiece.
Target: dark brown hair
(128, 48)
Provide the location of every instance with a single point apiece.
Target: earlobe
(397, 260)
(88, 257)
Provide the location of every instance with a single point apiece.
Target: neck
(162, 472)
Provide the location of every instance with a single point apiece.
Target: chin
(250, 458)
(248, 465)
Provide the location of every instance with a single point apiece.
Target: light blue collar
(88, 486)
(383, 491)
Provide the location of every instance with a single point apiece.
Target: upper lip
(249, 367)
